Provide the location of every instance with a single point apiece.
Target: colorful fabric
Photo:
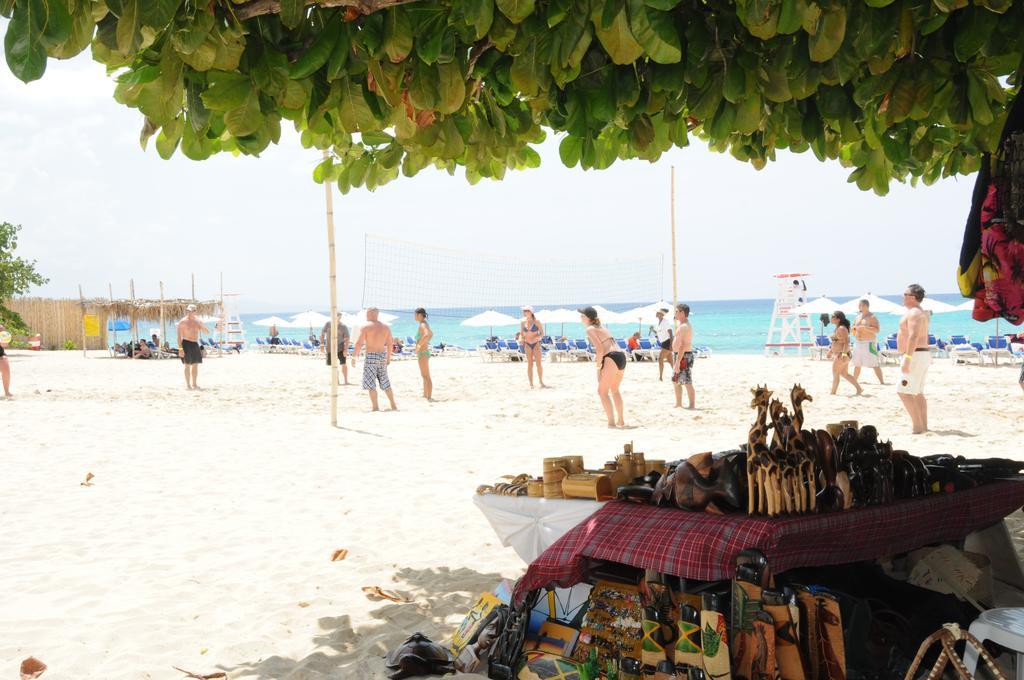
(704, 546)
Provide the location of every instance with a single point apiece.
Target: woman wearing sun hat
(532, 331)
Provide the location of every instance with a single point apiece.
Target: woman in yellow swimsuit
(840, 353)
(423, 337)
(532, 331)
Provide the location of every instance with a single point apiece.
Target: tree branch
(256, 8)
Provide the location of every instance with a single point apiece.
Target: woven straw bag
(947, 636)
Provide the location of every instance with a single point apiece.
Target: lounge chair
(890, 352)
(961, 351)
(581, 350)
(625, 348)
(702, 352)
(997, 348)
(648, 349)
(822, 345)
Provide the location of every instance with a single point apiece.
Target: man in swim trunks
(664, 334)
(378, 341)
(865, 351)
(342, 349)
(682, 363)
(912, 342)
(188, 341)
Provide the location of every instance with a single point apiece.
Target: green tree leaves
(893, 89)
(36, 25)
(17, 275)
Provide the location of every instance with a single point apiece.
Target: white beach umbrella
(967, 306)
(878, 305)
(310, 319)
(359, 318)
(607, 316)
(646, 314)
(490, 319)
(930, 305)
(273, 321)
(821, 305)
(560, 316)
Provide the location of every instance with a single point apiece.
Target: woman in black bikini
(840, 352)
(532, 331)
(611, 365)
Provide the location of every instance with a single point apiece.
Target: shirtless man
(377, 338)
(912, 342)
(682, 364)
(189, 349)
(865, 351)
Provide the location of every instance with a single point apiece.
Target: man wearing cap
(664, 332)
(191, 352)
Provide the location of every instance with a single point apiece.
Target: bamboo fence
(58, 321)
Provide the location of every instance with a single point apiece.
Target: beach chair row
(958, 348)
(573, 350)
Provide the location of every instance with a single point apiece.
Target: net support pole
(163, 321)
(81, 297)
(332, 350)
(675, 290)
(135, 323)
(110, 289)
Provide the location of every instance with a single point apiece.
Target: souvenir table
(704, 546)
(531, 525)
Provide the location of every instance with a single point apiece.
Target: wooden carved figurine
(757, 449)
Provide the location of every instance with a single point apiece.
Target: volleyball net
(401, 275)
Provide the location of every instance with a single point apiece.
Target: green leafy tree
(17, 275)
(892, 89)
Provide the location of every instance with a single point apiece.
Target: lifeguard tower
(789, 332)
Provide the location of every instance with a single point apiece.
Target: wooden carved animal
(757, 448)
(797, 397)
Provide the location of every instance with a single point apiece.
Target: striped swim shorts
(375, 370)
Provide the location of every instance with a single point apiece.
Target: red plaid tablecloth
(704, 546)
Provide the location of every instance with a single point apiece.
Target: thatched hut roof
(149, 310)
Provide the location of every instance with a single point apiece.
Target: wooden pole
(193, 286)
(82, 298)
(163, 323)
(110, 289)
(135, 323)
(675, 290)
(332, 349)
(223, 317)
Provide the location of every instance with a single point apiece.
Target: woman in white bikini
(611, 366)
(840, 353)
(532, 330)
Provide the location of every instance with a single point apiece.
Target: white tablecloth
(530, 525)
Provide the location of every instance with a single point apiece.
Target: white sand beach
(205, 541)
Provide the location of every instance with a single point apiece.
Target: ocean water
(726, 326)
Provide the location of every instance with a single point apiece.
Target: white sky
(96, 209)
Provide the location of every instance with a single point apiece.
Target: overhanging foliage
(894, 89)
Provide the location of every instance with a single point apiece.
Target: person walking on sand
(376, 336)
(5, 368)
(423, 337)
(912, 343)
(865, 350)
(682, 362)
(839, 353)
(611, 365)
(191, 353)
(342, 347)
(663, 331)
(532, 330)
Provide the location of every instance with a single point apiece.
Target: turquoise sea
(727, 326)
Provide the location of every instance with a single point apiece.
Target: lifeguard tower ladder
(231, 329)
(788, 331)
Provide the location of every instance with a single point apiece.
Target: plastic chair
(1004, 627)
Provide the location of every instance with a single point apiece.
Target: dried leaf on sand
(378, 592)
(339, 555)
(32, 668)
(197, 676)
(88, 479)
